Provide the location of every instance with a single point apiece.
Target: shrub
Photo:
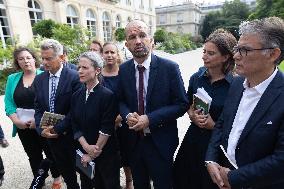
(160, 36)
(120, 34)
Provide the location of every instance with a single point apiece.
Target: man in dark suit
(251, 128)
(152, 97)
(54, 89)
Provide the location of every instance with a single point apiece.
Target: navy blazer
(67, 85)
(165, 101)
(260, 149)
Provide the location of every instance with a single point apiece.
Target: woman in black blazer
(93, 112)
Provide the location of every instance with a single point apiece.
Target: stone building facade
(101, 17)
(182, 18)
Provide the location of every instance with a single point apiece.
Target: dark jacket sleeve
(110, 109)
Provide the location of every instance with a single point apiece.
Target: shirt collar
(58, 73)
(92, 89)
(261, 87)
(204, 72)
(146, 63)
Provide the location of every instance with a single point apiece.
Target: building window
(141, 4)
(179, 17)
(4, 26)
(129, 19)
(128, 2)
(150, 26)
(106, 27)
(162, 19)
(118, 22)
(91, 22)
(35, 12)
(180, 29)
(150, 5)
(72, 16)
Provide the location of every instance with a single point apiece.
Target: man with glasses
(53, 92)
(251, 128)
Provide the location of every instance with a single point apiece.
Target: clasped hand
(93, 150)
(199, 119)
(219, 175)
(137, 122)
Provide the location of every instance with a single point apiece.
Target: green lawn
(281, 66)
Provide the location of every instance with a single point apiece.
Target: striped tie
(52, 94)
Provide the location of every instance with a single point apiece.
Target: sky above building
(170, 2)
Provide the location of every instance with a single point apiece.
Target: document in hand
(202, 101)
(226, 159)
(49, 118)
(89, 171)
(25, 114)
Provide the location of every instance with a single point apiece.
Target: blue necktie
(52, 93)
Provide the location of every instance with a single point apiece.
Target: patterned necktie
(141, 69)
(52, 93)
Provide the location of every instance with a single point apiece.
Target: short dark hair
(95, 41)
(65, 50)
(225, 42)
(16, 53)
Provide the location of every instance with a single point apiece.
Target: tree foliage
(45, 28)
(160, 35)
(120, 34)
(230, 16)
(267, 8)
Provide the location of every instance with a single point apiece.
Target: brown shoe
(4, 143)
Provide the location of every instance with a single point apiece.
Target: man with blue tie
(53, 92)
(152, 97)
(251, 128)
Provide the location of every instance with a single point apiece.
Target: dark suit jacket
(260, 149)
(96, 114)
(67, 85)
(166, 101)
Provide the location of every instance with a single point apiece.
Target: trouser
(63, 150)
(107, 174)
(1, 133)
(147, 163)
(2, 171)
(34, 145)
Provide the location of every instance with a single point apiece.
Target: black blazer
(96, 114)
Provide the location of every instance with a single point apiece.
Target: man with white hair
(53, 92)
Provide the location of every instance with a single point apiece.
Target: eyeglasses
(244, 50)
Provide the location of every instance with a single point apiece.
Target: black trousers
(63, 150)
(2, 171)
(147, 164)
(34, 145)
(107, 174)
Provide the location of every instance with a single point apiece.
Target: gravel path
(18, 173)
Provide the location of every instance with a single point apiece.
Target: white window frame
(34, 11)
(91, 22)
(74, 19)
(107, 26)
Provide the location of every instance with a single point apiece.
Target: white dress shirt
(146, 65)
(248, 102)
(57, 74)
